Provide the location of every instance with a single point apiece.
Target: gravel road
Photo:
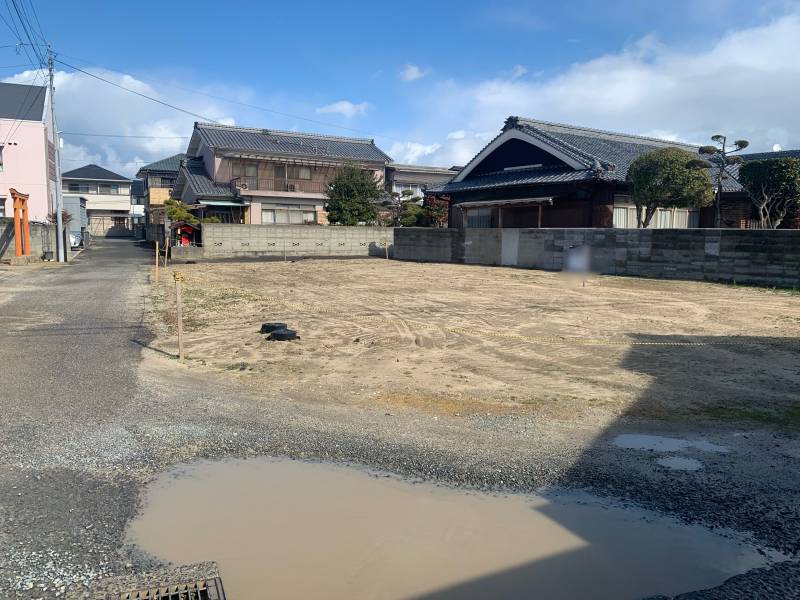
(89, 414)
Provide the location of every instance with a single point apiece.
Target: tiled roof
(542, 175)
(768, 155)
(171, 164)
(615, 152)
(93, 172)
(194, 173)
(22, 102)
(603, 155)
(268, 141)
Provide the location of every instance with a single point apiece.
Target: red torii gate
(21, 226)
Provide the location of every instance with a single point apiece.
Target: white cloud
(412, 152)
(345, 108)
(746, 85)
(518, 71)
(86, 105)
(412, 73)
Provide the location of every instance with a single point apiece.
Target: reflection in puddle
(290, 529)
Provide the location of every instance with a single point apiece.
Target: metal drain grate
(204, 589)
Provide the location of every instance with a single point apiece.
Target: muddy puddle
(291, 529)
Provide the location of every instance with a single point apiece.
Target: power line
(257, 107)
(119, 135)
(122, 87)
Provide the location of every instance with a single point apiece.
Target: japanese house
(158, 178)
(264, 176)
(542, 174)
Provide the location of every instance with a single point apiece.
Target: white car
(74, 240)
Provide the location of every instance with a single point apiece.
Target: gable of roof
(588, 153)
(22, 102)
(289, 143)
(93, 172)
(171, 164)
(193, 174)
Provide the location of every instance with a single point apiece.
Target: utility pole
(56, 143)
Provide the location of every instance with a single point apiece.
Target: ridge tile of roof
(268, 141)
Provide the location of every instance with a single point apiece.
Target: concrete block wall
(228, 241)
(43, 239)
(743, 255)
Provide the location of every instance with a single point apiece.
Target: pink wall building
(27, 149)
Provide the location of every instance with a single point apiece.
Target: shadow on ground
(749, 380)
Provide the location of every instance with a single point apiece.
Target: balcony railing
(278, 185)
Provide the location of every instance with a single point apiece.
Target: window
(243, 169)
(479, 217)
(166, 182)
(280, 171)
(108, 188)
(664, 217)
(297, 172)
(621, 217)
(1, 158)
(78, 188)
(2, 206)
(283, 214)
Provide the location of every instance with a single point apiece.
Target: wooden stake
(166, 251)
(158, 258)
(178, 303)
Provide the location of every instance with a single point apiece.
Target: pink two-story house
(27, 149)
(264, 176)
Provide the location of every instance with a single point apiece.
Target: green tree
(720, 156)
(666, 178)
(774, 187)
(352, 193)
(411, 215)
(178, 211)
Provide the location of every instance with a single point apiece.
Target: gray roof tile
(171, 164)
(520, 177)
(605, 155)
(293, 143)
(200, 183)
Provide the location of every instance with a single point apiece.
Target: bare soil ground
(463, 339)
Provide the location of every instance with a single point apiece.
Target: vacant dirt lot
(460, 339)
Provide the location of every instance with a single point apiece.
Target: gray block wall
(229, 241)
(43, 239)
(743, 255)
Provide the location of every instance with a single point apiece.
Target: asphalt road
(89, 415)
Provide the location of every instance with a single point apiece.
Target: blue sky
(431, 81)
